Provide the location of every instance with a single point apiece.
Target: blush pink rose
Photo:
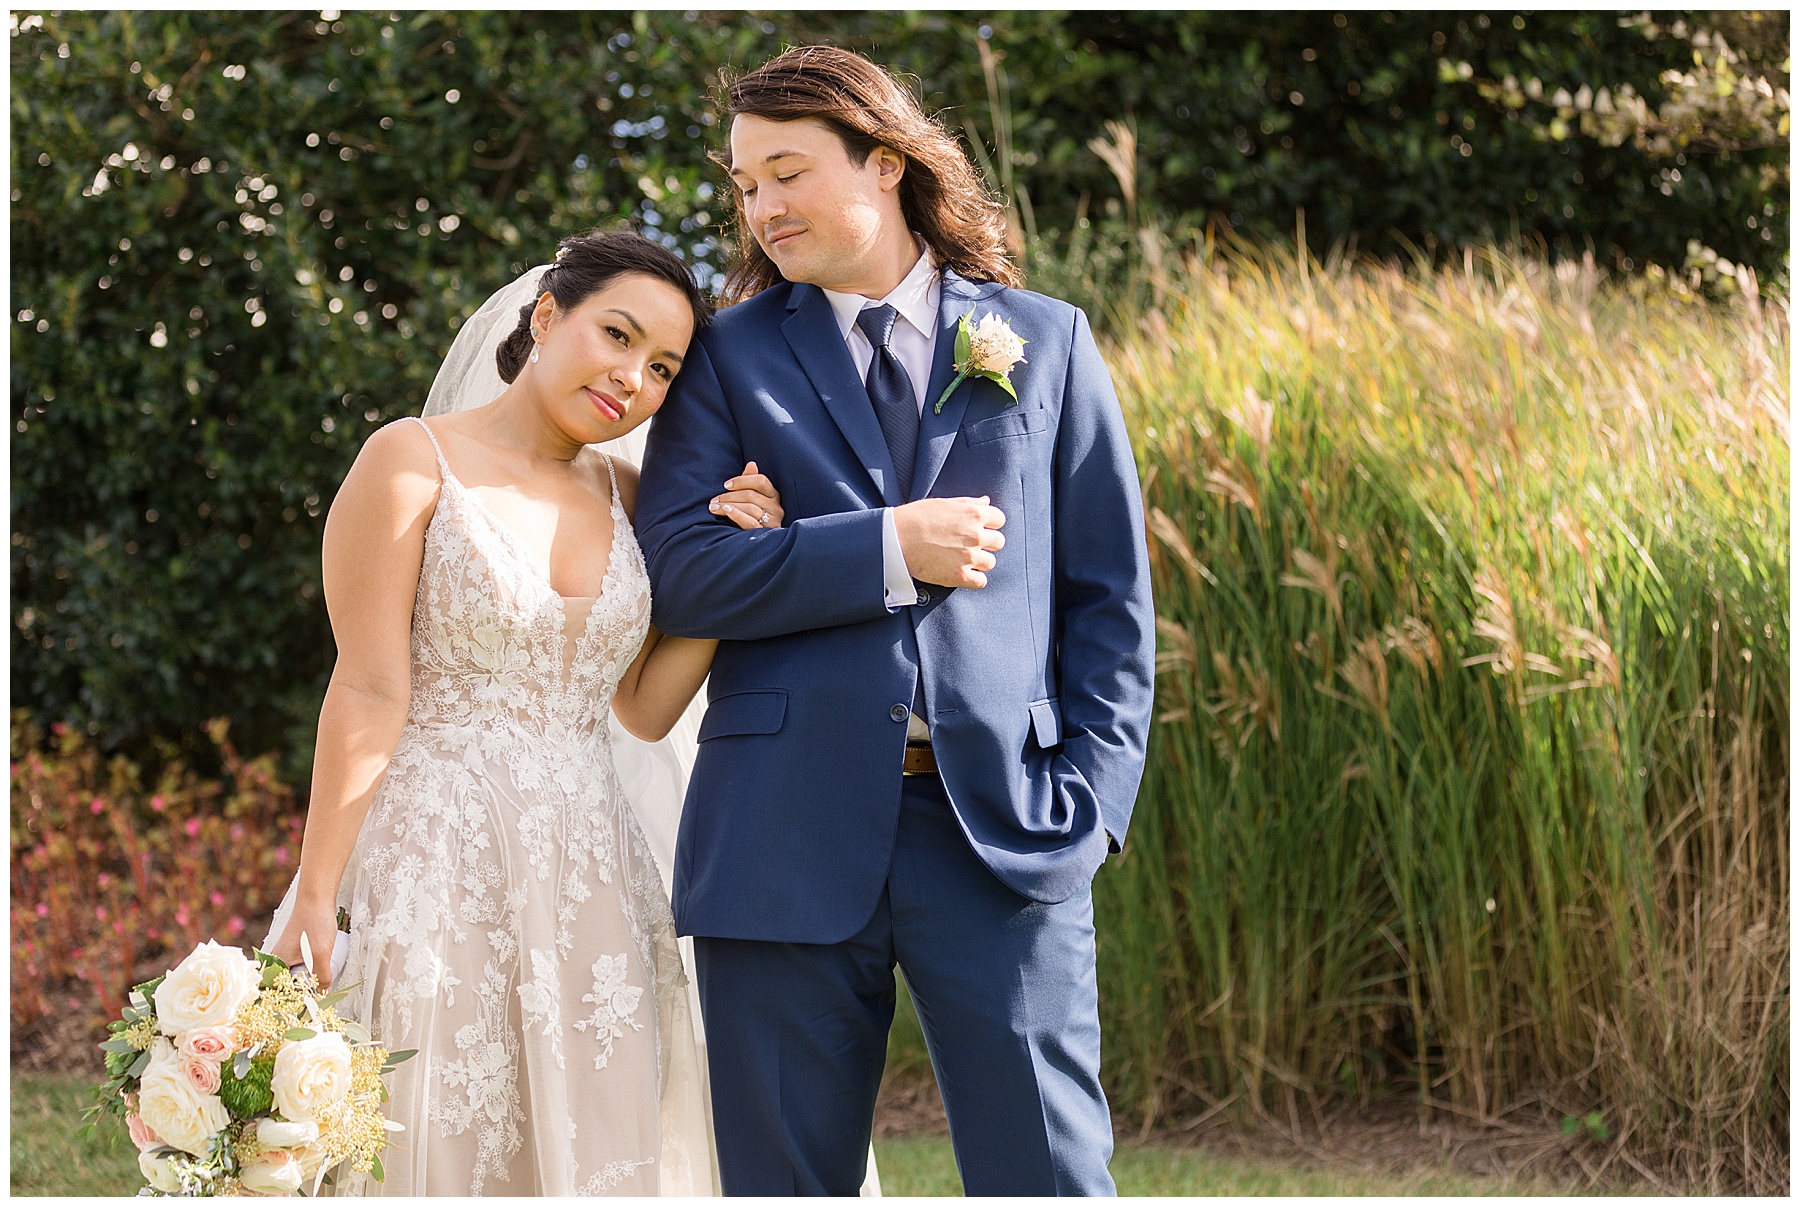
(201, 1073)
(208, 1043)
(141, 1133)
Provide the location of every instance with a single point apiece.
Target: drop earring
(534, 351)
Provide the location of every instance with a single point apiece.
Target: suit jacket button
(898, 712)
(924, 597)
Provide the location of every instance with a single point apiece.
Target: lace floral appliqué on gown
(507, 917)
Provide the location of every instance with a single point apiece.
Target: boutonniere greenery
(987, 349)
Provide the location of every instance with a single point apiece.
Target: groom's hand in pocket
(950, 542)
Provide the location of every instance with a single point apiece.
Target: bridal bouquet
(235, 1075)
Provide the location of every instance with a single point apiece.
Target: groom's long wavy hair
(941, 196)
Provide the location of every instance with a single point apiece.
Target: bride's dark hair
(588, 263)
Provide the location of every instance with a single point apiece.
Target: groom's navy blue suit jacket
(1038, 687)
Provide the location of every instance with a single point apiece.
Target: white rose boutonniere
(987, 349)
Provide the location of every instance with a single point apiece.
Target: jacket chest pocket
(1007, 424)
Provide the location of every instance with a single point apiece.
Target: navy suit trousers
(1004, 987)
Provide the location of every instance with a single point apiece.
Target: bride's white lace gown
(507, 917)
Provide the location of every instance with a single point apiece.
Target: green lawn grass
(48, 1158)
(924, 1165)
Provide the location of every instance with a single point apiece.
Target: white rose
(206, 989)
(301, 1139)
(993, 346)
(278, 1133)
(311, 1075)
(273, 1171)
(173, 1107)
(156, 1171)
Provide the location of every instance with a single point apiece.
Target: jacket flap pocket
(1007, 423)
(1046, 723)
(744, 712)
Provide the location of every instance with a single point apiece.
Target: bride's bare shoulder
(397, 467)
(625, 472)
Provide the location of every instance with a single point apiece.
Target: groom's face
(822, 218)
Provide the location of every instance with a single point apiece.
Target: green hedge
(241, 242)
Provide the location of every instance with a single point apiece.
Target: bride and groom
(888, 513)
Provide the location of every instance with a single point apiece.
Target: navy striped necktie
(891, 392)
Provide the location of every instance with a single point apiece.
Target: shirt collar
(915, 298)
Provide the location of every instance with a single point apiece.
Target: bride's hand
(319, 923)
(750, 500)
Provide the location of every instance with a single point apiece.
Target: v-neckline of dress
(522, 551)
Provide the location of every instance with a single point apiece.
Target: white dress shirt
(914, 343)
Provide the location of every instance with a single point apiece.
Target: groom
(927, 714)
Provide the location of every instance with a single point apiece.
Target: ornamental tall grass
(1470, 768)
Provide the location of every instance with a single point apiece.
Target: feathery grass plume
(1534, 863)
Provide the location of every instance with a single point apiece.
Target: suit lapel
(937, 429)
(812, 332)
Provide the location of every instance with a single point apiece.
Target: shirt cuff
(897, 584)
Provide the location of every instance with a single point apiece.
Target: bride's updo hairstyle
(586, 264)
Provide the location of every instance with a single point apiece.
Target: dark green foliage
(187, 398)
(249, 1096)
(209, 342)
(1243, 118)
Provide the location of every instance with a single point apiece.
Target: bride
(508, 905)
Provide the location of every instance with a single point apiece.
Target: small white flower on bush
(173, 1107)
(311, 1076)
(206, 989)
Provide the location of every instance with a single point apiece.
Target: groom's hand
(950, 542)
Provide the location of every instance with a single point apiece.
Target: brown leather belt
(919, 760)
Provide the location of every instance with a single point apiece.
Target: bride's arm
(374, 545)
(659, 683)
(662, 679)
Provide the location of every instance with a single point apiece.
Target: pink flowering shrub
(113, 882)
